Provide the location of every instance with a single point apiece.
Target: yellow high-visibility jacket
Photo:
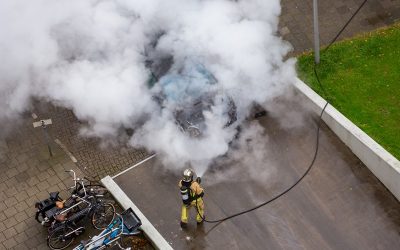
(195, 188)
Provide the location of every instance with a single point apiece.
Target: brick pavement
(27, 175)
(95, 158)
(296, 21)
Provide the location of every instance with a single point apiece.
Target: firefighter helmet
(188, 175)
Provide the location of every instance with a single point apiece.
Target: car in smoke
(188, 91)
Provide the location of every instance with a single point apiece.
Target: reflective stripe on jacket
(195, 189)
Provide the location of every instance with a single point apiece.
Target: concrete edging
(381, 163)
(151, 232)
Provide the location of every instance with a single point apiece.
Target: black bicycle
(65, 226)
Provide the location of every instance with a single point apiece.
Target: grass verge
(361, 77)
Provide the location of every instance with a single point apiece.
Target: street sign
(42, 123)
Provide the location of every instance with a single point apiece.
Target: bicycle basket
(131, 220)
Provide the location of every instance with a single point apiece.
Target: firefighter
(192, 195)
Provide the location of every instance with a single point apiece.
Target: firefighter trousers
(199, 211)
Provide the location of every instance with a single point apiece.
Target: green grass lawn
(361, 77)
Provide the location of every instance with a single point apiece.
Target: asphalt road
(339, 205)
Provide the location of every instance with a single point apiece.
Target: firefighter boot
(200, 211)
(184, 216)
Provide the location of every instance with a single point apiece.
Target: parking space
(339, 205)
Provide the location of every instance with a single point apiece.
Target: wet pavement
(339, 205)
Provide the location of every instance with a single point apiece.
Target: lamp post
(316, 32)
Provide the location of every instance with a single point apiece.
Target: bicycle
(126, 224)
(64, 227)
(47, 209)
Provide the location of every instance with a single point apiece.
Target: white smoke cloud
(90, 56)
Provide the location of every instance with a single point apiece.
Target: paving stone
(11, 191)
(42, 195)
(32, 230)
(35, 241)
(32, 191)
(32, 200)
(10, 212)
(12, 172)
(10, 222)
(43, 176)
(22, 158)
(33, 181)
(2, 206)
(30, 222)
(2, 237)
(10, 202)
(22, 177)
(54, 180)
(11, 182)
(8, 233)
(53, 188)
(22, 186)
(22, 246)
(21, 196)
(3, 185)
(21, 216)
(21, 237)
(21, 206)
(50, 172)
(61, 186)
(10, 243)
(22, 167)
(2, 216)
(42, 246)
(42, 167)
(20, 227)
(32, 171)
(43, 185)
(3, 178)
(31, 210)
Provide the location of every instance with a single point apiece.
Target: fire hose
(317, 138)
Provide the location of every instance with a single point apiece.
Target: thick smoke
(91, 56)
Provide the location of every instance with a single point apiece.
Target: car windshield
(188, 84)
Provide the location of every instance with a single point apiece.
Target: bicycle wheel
(61, 237)
(103, 215)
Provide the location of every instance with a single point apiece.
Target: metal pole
(46, 135)
(316, 32)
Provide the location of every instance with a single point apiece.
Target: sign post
(44, 124)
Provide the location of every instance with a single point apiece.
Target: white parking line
(66, 150)
(137, 164)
